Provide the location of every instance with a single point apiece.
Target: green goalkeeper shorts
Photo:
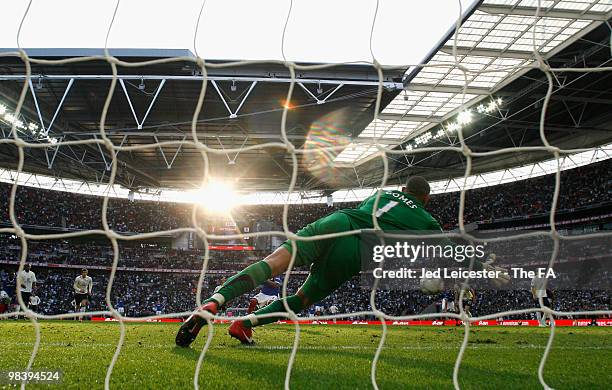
(332, 261)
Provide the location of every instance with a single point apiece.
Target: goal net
(450, 83)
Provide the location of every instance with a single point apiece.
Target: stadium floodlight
(453, 127)
(464, 117)
(12, 119)
(493, 105)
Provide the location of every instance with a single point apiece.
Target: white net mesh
(536, 36)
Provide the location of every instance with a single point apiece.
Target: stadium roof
(496, 44)
(243, 106)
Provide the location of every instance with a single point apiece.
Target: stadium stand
(153, 275)
(141, 292)
(587, 186)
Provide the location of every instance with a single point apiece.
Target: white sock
(540, 318)
(252, 318)
(219, 298)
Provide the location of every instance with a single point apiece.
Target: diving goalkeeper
(332, 261)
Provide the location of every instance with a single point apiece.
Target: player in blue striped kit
(270, 292)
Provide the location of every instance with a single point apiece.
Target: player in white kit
(333, 309)
(34, 302)
(538, 290)
(26, 280)
(83, 285)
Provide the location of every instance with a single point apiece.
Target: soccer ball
(431, 286)
(4, 298)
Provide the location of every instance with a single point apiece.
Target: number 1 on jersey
(386, 208)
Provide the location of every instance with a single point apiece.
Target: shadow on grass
(329, 368)
(189, 353)
(419, 364)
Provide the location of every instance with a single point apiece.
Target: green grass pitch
(329, 357)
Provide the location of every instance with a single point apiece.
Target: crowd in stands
(138, 293)
(351, 298)
(583, 186)
(132, 256)
(536, 252)
(76, 211)
(145, 293)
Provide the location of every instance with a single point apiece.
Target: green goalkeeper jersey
(333, 261)
(396, 211)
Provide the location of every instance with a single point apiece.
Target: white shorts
(449, 306)
(263, 299)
